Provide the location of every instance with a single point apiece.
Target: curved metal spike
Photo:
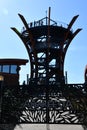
(69, 27)
(23, 20)
(27, 28)
(17, 32)
(76, 32)
(72, 21)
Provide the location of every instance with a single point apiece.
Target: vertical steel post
(47, 80)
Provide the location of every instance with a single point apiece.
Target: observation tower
(47, 42)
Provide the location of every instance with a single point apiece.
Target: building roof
(13, 61)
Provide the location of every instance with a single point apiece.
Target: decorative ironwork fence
(57, 104)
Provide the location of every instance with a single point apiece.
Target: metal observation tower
(47, 42)
(48, 98)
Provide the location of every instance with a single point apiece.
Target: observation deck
(44, 22)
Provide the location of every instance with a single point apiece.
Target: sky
(12, 47)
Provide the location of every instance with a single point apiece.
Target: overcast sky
(12, 47)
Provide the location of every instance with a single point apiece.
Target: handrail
(44, 22)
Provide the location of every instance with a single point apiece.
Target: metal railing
(44, 22)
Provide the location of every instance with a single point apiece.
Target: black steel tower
(47, 42)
